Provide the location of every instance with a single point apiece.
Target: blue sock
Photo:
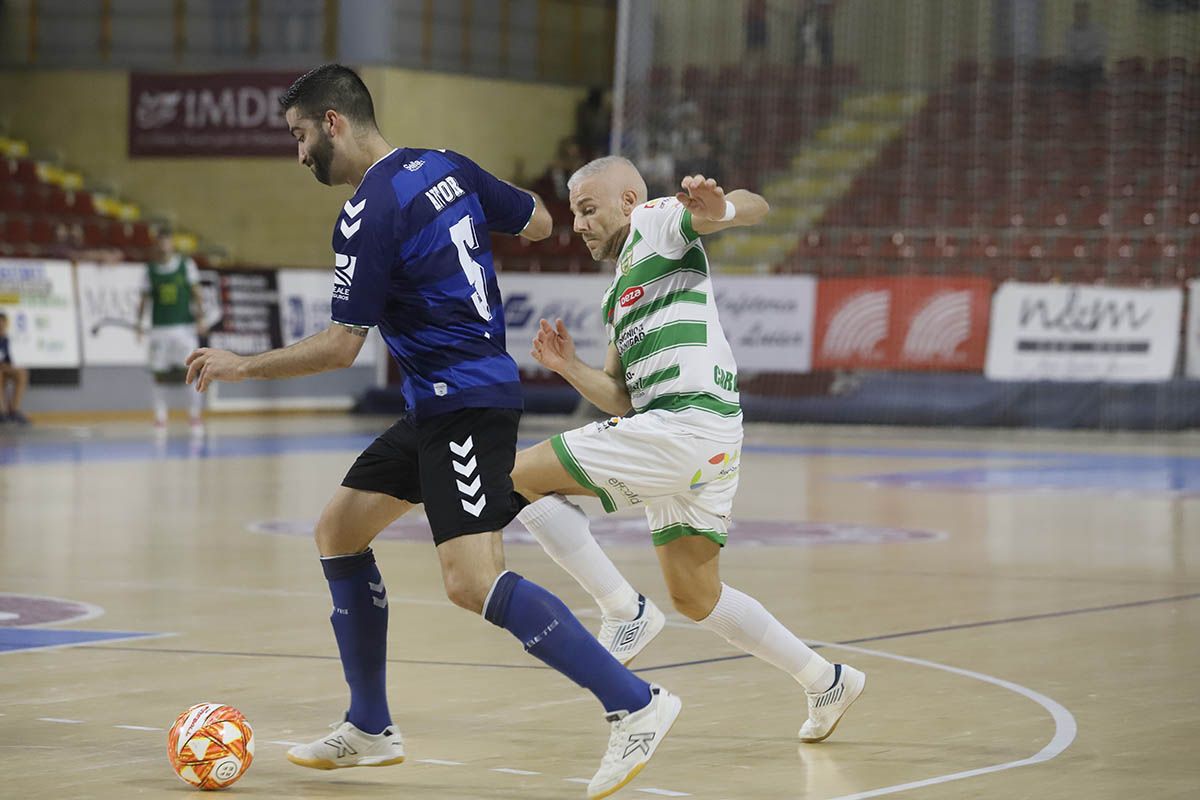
(552, 634)
(360, 619)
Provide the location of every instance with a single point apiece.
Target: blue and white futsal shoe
(825, 709)
(626, 638)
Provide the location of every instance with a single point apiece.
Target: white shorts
(684, 476)
(170, 346)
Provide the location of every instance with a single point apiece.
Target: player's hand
(553, 347)
(207, 365)
(703, 197)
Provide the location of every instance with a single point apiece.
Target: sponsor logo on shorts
(604, 425)
(729, 463)
(631, 296)
(624, 489)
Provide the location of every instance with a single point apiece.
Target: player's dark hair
(330, 86)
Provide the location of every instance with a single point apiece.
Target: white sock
(561, 528)
(195, 404)
(160, 403)
(743, 622)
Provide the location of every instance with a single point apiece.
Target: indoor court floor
(1026, 606)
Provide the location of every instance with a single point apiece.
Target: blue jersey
(5, 355)
(412, 255)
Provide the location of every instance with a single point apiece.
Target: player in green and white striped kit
(171, 287)
(678, 454)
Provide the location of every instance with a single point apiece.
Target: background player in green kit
(171, 287)
(678, 456)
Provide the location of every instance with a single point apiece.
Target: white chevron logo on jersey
(353, 211)
(350, 230)
(471, 504)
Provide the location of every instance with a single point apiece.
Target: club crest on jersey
(626, 262)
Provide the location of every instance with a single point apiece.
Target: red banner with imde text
(902, 323)
(217, 114)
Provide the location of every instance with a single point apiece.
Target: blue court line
(16, 639)
(720, 659)
(20, 450)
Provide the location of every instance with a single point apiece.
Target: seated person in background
(553, 182)
(17, 377)
(1086, 45)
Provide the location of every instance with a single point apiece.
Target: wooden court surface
(1026, 607)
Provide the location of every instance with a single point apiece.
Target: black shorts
(458, 464)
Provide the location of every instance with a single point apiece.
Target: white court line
(510, 771)
(283, 742)
(577, 780)
(137, 728)
(65, 645)
(1064, 725)
(662, 792)
(439, 762)
(62, 721)
(87, 610)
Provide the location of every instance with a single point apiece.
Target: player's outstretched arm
(541, 224)
(333, 348)
(713, 210)
(554, 349)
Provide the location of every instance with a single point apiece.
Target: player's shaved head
(615, 173)
(603, 195)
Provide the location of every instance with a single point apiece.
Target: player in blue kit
(412, 256)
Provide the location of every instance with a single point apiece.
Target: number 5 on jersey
(462, 233)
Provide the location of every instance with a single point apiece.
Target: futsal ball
(210, 745)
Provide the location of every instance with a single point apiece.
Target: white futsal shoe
(347, 746)
(633, 740)
(825, 710)
(626, 638)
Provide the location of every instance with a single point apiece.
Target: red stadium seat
(16, 230)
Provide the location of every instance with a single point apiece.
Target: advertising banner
(304, 309)
(1193, 329)
(248, 303)
(768, 320)
(39, 299)
(575, 299)
(216, 114)
(1056, 332)
(108, 301)
(902, 323)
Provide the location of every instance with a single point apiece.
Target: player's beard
(612, 248)
(321, 156)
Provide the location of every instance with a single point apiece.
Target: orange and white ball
(210, 745)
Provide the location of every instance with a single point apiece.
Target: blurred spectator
(756, 29)
(10, 374)
(227, 26)
(658, 168)
(553, 182)
(68, 245)
(171, 289)
(1086, 47)
(296, 25)
(593, 118)
(814, 35)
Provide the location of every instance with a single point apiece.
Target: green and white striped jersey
(661, 315)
